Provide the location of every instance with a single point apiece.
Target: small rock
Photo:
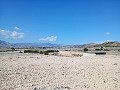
(36, 88)
(115, 63)
(115, 79)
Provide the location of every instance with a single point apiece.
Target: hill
(111, 44)
(4, 44)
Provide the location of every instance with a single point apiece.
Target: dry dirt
(19, 71)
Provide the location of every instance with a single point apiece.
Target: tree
(101, 48)
(13, 49)
(85, 49)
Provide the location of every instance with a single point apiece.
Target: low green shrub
(97, 49)
(40, 52)
(20, 52)
(36, 51)
(46, 53)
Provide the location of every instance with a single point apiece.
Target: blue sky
(60, 21)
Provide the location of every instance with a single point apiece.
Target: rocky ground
(19, 71)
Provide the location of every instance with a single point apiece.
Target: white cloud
(49, 39)
(100, 42)
(4, 33)
(17, 28)
(16, 35)
(11, 34)
(107, 33)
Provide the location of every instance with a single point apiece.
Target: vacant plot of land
(22, 71)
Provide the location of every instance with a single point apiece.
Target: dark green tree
(85, 49)
(13, 49)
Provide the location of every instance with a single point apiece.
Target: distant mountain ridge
(4, 44)
(34, 45)
(105, 44)
(90, 45)
(111, 44)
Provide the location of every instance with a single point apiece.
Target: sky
(59, 21)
